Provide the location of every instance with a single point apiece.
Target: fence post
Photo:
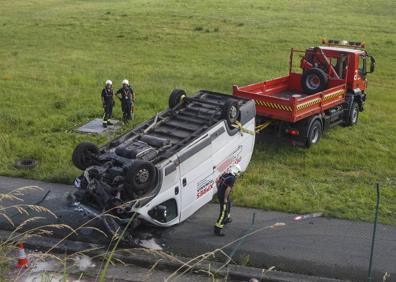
(370, 274)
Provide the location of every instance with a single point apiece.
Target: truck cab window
(362, 66)
(340, 66)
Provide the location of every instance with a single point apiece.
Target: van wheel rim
(233, 113)
(142, 175)
(315, 135)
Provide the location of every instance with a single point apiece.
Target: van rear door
(196, 176)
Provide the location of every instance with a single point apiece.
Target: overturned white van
(165, 169)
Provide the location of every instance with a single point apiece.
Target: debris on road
(307, 216)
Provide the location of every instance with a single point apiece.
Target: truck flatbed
(283, 98)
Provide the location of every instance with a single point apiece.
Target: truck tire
(314, 80)
(314, 133)
(353, 114)
(231, 111)
(141, 176)
(84, 155)
(176, 97)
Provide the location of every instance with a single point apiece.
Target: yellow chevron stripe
(308, 104)
(274, 105)
(333, 95)
(300, 106)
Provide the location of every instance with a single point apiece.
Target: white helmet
(235, 169)
(125, 81)
(109, 82)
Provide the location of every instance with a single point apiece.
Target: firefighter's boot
(218, 231)
(228, 220)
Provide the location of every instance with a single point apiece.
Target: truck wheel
(314, 134)
(314, 80)
(84, 155)
(141, 176)
(176, 97)
(231, 111)
(353, 115)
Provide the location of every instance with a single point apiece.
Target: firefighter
(224, 188)
(127, 98)
(107, 102)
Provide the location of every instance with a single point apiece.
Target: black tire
(231, 112)
(314, 133)
(26, 164)
(176, 97)
(353, 114)
(314, 80)
(84, 155)
(141, 177)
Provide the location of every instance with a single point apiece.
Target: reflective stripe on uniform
(219, 222)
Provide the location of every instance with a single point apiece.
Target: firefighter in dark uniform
(107, 102)
(127, 98)
(224, 188)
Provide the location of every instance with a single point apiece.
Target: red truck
(330, 90)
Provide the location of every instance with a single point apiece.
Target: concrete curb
(147, 258)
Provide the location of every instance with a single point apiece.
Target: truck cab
(345, 60)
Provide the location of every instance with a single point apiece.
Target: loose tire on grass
(353, 115)
(26, 164)
(314, 80)
(231, 111)
(314, 133)
(141, 176)
(84, 155)
(176, 97)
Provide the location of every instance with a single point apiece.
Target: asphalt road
(318, 246)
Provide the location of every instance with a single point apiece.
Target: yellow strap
(238, 125)
(260, 127)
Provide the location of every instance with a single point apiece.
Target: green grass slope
(55, 55)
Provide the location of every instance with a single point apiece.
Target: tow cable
(258, 128)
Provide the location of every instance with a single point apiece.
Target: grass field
(55, 56)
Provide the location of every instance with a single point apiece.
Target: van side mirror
(372, 64)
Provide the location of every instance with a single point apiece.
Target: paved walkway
(318, 246)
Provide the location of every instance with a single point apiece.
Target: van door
(197, 177)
